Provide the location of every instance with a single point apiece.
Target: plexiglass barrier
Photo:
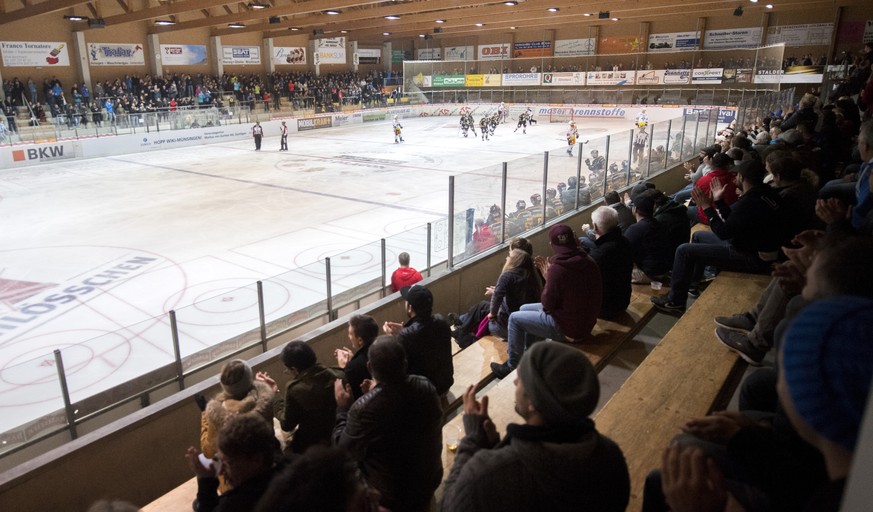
(487, 209)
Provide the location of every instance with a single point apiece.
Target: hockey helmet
(562, 187)
(551, 193)
(536, 200)
(520, 205)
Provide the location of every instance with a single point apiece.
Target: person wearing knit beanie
(560, 383)
(827, 367)
(824, 384)
(556, 460)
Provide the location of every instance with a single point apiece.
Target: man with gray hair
(614, 257)
(556, 460)
(804, 114)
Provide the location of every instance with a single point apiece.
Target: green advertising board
(448, 81)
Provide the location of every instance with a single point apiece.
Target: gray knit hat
(560, 382)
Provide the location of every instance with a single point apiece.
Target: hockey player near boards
(483, 127)
(572, 135)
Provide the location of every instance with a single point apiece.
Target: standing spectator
(404, 275)
(483, 237)
(570, 301)
(393, 431)
(307, 409)
(556, 460)
(426, 339)
(363, 330)
(257, 133)
(249, 458)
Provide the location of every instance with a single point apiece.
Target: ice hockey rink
(96, 252)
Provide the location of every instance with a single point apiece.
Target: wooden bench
(177, 500)
(688, 374)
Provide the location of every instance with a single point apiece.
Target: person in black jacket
(363, 330)
(248, 458)
(426, 338)
(394, 431)
(745, 237)
(652, 253)
(613, 254)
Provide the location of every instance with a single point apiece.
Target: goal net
(561, 115)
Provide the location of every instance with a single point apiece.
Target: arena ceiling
(367, 20)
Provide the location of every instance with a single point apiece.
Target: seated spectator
(476, 322)
(394, 431)
(824, 384)
(363, 330)
(745, 238)
(673, 218)
(321, 480)
(575, 191)
(240, 394)
(721, 165)
(625, 216)
(556, 460)
(248, 458)
(307, 409)
(835, 211)
(650, 248)
(614, 257)
(694, 174)
(426, 338)
(798, 193)
(405, 275)
(483, 237)
(570, 301)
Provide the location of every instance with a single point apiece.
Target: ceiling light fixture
(392, 17)
(510, 3)
(513, 28)
(344, 31)
(76, 18)
(421, 36)
(588, 14)
(333, 12)
(769, 6)
(553, 9)
(165, 22)
(236, 25)
(257, 5)
(615, 19)
(386, 33)
(294, 29)
(480, 24)
(754, 1)
(440, 21)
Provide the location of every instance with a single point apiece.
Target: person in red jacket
(721, 164)
(405, 275)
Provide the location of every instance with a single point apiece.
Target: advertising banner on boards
(494, 51)
(240, 55)
(289, 55)
(183, 54)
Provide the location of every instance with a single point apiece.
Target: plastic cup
(656, 285)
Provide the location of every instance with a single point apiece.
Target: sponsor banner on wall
(398, 56)
(532, 49)
(369, 55)
(619, 44)
(448, 81)
(733, 76)
(115, 54)
(429, 54)
(733, 38)
(610, 78)
(374, 115)
(577, 78)
(183, 54)
(494, 51)
(707, 75)
(459, 52)
(289, 55)
(34, 54)
(487, 80)
(663, 76)
(330, 50)
(344, 119)
(240, 55)
(314, 123)
(811, 34)
(521, 78)
(768, 76)
(674, 41)
(575, 47)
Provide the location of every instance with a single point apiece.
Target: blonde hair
(517, 259)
